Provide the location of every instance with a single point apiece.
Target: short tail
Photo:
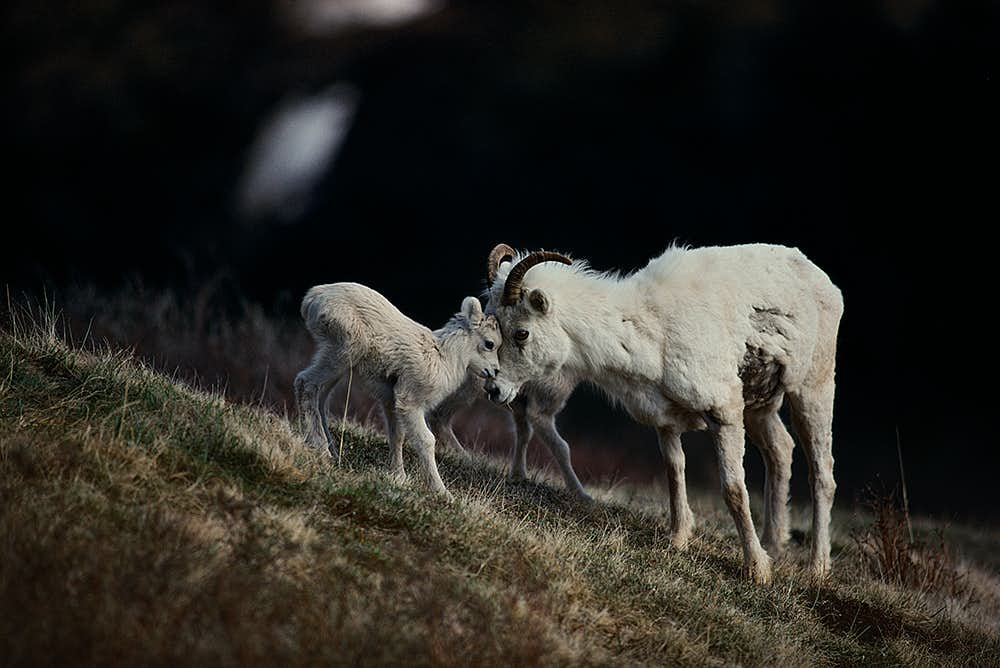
(313, 313)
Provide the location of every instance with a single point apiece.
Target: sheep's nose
(496, 371)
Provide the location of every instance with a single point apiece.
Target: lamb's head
(537, 344)
(483, 339)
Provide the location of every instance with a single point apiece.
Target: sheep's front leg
(419, 435)
(729, 444)
(523, 434)
(444, 434)
(681, 517)
(545, 425)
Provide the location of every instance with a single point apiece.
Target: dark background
(862, 132)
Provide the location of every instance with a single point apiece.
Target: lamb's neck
(453, 364)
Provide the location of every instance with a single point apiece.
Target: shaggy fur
(700, 338)
(408, 368)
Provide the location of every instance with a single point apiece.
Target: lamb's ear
(472, 310)
(538, 301)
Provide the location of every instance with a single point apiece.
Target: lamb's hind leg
(323, 401)
(812, 417)
(775, 444)
(309, 390)
(396, 469)
(681, 517)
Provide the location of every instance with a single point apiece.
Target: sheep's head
(536, 343)
(484, 339)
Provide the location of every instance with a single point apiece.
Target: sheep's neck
(608, 312)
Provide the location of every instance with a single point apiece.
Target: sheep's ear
(538, 301)
(472, 310)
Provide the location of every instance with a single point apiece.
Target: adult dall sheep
(699, 338)
(408, 368)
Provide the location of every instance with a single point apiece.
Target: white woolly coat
(671, 340)
(380, 343)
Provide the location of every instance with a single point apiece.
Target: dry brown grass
(888, 552)
(144, 522)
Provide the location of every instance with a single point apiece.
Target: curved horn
(499, 253)
(512, 287)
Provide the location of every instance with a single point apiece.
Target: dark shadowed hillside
(145, 522)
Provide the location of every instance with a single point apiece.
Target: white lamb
(408, 368)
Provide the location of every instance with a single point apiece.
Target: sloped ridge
(146, 522)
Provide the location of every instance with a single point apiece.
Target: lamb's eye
(521, 335)
(489, 345)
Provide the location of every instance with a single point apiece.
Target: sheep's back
(724, 301)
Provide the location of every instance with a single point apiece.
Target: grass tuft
(887, 552)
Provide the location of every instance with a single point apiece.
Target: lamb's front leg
(420, 436)
(730, 446)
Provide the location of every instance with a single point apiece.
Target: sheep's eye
(521, 335)
(489, 345)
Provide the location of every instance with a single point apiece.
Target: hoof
(317, 442)
(758, 570)
(680, 538)
(774, 547)
(819, 569)
(517, 476)
(681, 530)
(398, 476)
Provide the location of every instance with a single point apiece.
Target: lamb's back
(356, 313)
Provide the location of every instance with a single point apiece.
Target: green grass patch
(145, 522)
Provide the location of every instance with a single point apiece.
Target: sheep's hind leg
(730, 447)
(812, 417)
(681, 517)
(444, 434)
(775, 444)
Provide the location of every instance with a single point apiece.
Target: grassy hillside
(142, 522)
